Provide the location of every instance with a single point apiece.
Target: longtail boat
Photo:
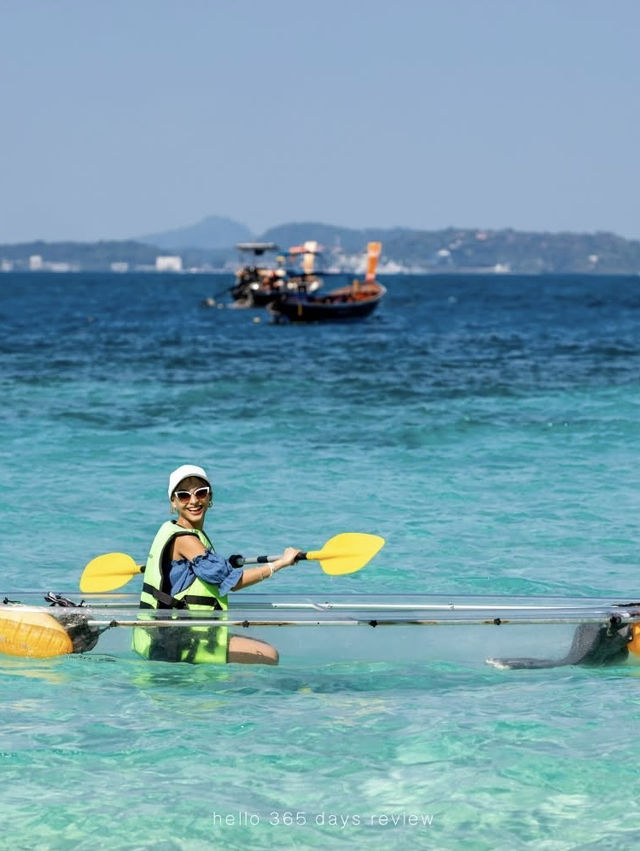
(354, 301)
(262, 279)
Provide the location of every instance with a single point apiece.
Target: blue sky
(121, 117)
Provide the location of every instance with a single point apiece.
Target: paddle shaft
(240, 561)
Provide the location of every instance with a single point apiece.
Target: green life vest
(179, 643)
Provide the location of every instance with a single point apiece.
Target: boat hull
(311, 631)
(338, 305)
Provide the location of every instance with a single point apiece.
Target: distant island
(209, 246)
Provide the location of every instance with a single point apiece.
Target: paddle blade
(108, 572)
(347, 552)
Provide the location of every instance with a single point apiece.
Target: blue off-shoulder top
(210, 567)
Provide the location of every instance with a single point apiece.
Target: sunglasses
(185, 496)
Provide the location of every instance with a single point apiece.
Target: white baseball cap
(183, 473)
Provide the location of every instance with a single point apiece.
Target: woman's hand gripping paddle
(342, 554)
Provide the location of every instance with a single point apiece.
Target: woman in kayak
(184, 571)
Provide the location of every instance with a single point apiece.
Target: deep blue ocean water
(487, 426)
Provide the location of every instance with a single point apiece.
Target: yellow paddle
(108, 572)
(344, 553)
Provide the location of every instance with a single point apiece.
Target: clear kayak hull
(311, 630)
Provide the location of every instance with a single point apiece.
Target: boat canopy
(257, 247)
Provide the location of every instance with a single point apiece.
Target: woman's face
(191, 499)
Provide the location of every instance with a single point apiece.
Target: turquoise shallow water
(486, 426)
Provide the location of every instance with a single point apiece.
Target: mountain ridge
(205, 246)
(208, 234)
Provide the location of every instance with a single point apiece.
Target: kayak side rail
(373, 606)
(414, 603)
(463, 620)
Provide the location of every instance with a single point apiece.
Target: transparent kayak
(308, 628)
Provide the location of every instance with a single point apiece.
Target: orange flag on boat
(373, 255)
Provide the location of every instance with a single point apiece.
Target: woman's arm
(253, 575)
(190, 547)
(187, 546)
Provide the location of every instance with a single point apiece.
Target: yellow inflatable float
(35, 634)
